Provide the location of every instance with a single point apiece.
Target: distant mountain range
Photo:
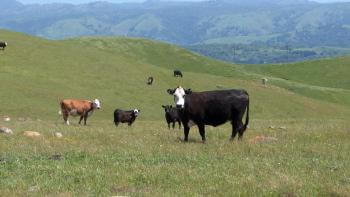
(267, 23)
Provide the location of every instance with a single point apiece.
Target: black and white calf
(212, 108)
(3, 45)
(177, 73)
(172, 115)
(121, 116)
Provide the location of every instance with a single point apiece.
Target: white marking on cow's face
(96, 103)
(5, 43)
(179, 97)
(136, 112)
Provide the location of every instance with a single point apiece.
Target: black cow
(177, 73)
(125, 116)
(172, 115)
(212, 108)
(150, 80)
(3, 45)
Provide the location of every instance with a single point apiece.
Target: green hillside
(36, 73)
(332, 73)
(296, 143)
(325, 79)
(259, 31)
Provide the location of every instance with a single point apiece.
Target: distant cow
(172, 115)
(212, 108)
(3, 45)
(264, 81)
(82, 108)
(177, 73)
(150, 80)
(125, 116)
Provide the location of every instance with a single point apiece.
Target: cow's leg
(85, 118)
(81, 118)
(201, 129)
(239, 125)
(240, 130)
(179, 124)
(234, 129)
(186, 131)
(174, 124)
(168, 125)
(116, 124)
(65, 116)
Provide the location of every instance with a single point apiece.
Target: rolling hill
(35, 73)
(261, 29)
(296, 144)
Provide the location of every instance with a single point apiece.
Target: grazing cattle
(125, 116)
(149, 80)
(172, 115)
(3, 45)
(82, 108)
(177, 73)
(212, 108)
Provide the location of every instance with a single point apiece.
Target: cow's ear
(188, 91)
(170, 91)
(163, 106)
(171, 106)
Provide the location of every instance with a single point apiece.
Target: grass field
(306, 122)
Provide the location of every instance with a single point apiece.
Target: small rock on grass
(58, 135)
(32, 134)
(7, 119)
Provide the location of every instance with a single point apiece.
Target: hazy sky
(118, 1)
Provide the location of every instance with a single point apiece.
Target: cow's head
(96, 104)
(167, 108)
(179, 95)
(136, 112)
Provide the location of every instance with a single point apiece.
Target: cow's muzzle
(180, 106)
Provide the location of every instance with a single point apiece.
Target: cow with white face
(212, 108)
(82, 108)
(179, 96)
(122, 116)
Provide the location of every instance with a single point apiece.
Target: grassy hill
(36, 73)
(260, 31)
(325, 79)
(307, 124)
(333, 73)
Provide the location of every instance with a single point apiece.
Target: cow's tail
(247, 116)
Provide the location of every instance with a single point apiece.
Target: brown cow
(82, 108)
